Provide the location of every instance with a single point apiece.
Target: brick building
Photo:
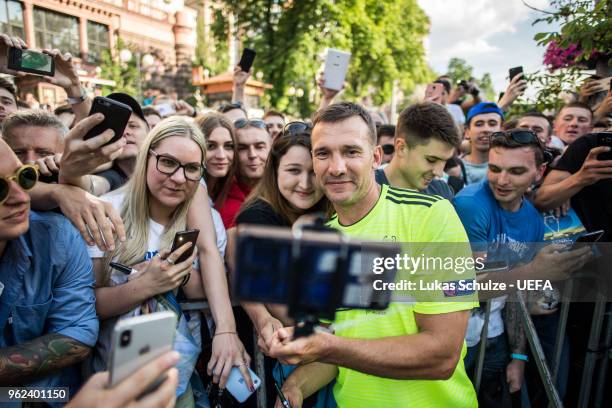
(162, 32)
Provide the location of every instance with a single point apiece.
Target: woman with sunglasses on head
(157, 203)
(286, 192)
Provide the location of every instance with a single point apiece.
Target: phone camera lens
(125, 339)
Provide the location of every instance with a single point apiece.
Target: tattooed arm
(25, 362)
(517, 343)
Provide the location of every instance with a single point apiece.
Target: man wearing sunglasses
(48, 319)
(254, 144)
(502, 224)
(385, 135)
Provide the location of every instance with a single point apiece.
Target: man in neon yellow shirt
(410, 355)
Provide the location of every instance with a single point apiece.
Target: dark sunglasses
(388, 148)
(242, 123)
(523, 137)
(26, 176)
(296, 129)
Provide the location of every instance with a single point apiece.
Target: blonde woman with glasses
(164, 197)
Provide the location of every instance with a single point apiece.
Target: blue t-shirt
(48, 288)
(485, 221)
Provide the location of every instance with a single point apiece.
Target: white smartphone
(237, 386)
(165, 109)
(138, 340)
(336, 66)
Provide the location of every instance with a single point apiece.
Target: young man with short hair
(254, 143)
(426, 137)
(8, 98)
(385, 134)
(538, 123)
(152, 116)
(275, 121)
(573, 121)
(482, 120)
(411, 351)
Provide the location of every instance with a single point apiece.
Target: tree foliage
(459, 69)
(385, 38)
(125, 74)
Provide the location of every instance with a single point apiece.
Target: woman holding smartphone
(163, 197)
(286, 192)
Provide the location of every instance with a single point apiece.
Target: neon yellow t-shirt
(403, 216)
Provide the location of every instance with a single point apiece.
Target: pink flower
(557, 57)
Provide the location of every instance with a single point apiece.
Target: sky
(492, 36)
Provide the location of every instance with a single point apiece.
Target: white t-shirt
(456, 112)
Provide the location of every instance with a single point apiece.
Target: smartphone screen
(180, 239)
(246, 61)
(604, 139)
(31, 61)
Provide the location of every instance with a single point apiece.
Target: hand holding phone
(604, 139)
(180, 239)
(434, 92)
(116, 117)
(32, 62)
(237, 386)
(247, 59)
(336, 67)
(514, 72)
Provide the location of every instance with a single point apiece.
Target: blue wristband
(521, 357)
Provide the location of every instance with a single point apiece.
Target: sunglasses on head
(296, 129)
(388, 148)
(25, 176)
(523, 137)
(242, 123)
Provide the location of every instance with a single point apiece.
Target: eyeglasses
(26, 176)
(296, 128)
(388, 148)
(168, 165)
(523, 137)
(242, 123)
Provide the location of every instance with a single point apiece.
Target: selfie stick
(305, 315)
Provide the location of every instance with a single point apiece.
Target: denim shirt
(48, 288)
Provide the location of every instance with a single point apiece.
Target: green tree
(486, 87)
(385, 39)
(459, 69)
(124, 74)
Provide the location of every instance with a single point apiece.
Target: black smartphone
(590, 236)
(180, 239)
(604, 139)
(246, 61)
(32, 62)
(514, 72)
(116, 117)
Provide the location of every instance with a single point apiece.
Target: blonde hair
(135, 207)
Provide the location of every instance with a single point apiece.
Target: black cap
(129, 101)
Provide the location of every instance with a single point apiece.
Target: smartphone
(514, 72)
(604, 139)
(33, 62)
(246, 60)
(137, 340)
(434, 92)
(116, 117)
(336, 67)
(165, 109)
(237, 386)
(591, 236)
(181, 238)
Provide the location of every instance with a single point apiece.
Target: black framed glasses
(296, 128)
(523, 137)
(242, 123)
(168, 165)
(25, 176)
(388, 148)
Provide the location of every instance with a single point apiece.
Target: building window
(97, 41)
(55, 30)
(11, 18)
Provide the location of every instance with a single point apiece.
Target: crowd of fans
(454, 169)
